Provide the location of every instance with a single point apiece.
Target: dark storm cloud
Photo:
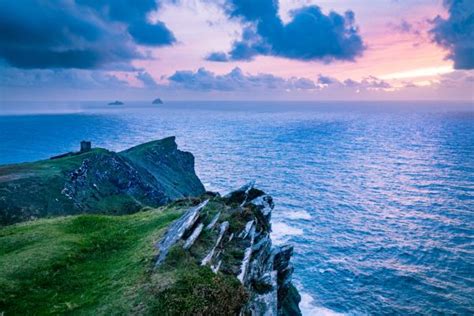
(151, 34)
(456, 33)
(134, 14)
(121, 10)
(310, 34)
(82, 34)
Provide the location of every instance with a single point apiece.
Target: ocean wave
(298, 214)
(282, 232)
(308, 307)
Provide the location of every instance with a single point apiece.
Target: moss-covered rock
(199, 291)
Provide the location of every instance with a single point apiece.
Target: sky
(237, 50)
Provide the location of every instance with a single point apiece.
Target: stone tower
(85, 146)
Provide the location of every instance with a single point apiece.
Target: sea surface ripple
(378, 200)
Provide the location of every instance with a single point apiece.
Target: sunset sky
(237, 50)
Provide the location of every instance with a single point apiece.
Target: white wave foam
(298, 215)
(309, 309)
(281, 232)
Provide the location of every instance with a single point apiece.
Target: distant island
(157, 101)
(116, 103)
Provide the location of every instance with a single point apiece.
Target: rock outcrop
(236, 241)
(177, 230)
(212, 255)
(98, 181)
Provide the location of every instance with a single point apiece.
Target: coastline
(228, 235)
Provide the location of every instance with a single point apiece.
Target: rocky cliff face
(231, 235)
(201, 254)
(98, 181)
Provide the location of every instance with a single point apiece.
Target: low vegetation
(99, 264)
(80, 264)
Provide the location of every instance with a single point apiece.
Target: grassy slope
(43, 182)
(81, 263)
(103, 265)
(176, 175)
(45, 167)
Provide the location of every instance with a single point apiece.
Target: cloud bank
(234, 85)
(456, 33)
(84, 34)
(310, 34)
(235, 80)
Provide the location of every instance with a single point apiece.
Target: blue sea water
(378, 198)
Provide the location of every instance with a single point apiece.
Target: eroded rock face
(177, 229)
(98, 181)
(242, 247)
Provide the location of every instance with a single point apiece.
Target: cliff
(231, 236)
(182, 251)
(98, 181)
(208, 255)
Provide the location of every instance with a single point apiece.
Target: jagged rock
(243, 194)
(223, 228)
(248, 254)
(216, 268)
(177, 230)
(244, 233)
(269, 272)
(191, 239)
(243, 248)
(282, 257)
(289, 305)
(264, 301)
(213, 221)
(265, 283)
(242, 190)
(281, 264)
(265, 204)
(264, 242)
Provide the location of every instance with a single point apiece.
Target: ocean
(377, 198)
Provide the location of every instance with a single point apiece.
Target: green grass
(87, 264)
(46, 167)
(104, 265)
(196, 290)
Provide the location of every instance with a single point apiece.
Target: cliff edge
(175, 249)
(208, 255)
(231, 236)
(98, 181)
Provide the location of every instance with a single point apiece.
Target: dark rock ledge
(233, 238)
